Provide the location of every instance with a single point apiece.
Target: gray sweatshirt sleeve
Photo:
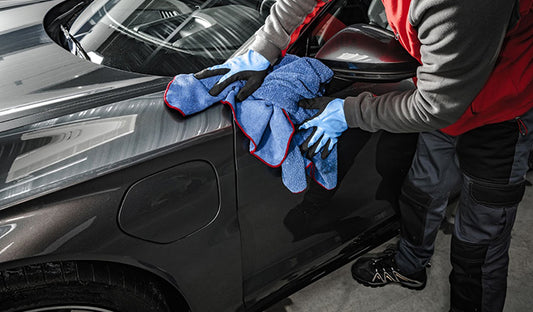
(285, 16)
(460, 44)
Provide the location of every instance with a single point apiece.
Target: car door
(118, 167)
(290, 239)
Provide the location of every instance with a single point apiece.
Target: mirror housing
(363, 52)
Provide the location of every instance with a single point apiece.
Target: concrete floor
(338, 292)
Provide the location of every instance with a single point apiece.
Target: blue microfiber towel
(270, 116)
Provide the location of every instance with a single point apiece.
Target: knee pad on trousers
(465, 279)
(414, 205)
(497, 195)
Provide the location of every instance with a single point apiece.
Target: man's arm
(252, 66)
(461, 41)
(285, 16)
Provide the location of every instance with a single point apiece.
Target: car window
(164, 37)
(336, 17)
(376, 14)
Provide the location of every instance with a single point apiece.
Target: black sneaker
(381, 270)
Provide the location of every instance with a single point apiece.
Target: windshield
(165, 37)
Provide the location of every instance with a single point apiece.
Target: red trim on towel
(290, 137)
(165, 98)
(255, 144)
(312, 175)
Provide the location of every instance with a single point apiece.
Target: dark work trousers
(491, 163)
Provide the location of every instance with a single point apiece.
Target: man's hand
(251, 66)
(328, 125)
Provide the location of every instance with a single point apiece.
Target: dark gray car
(110, 201)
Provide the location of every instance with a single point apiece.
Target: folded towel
(270, 116)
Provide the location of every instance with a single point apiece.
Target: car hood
(40, 80)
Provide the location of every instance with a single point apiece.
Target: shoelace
(384, 264)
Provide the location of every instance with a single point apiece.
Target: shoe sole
(377, 285)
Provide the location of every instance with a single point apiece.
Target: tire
(79, 286)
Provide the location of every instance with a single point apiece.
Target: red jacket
(508, 92)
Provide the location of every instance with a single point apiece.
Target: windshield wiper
(74, 45)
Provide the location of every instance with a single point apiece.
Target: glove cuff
(338, 110)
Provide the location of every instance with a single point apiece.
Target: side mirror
(364, 52)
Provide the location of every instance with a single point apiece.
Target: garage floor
(338, 292)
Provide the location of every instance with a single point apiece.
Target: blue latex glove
(329, 123)
(251, 66)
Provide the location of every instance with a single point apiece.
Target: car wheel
(80, 287)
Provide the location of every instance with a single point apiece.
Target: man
(473, 102)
